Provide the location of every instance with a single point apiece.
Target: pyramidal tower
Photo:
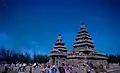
(83, 41)
(84, 49)
(58, 54)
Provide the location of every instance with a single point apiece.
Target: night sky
(33, 25)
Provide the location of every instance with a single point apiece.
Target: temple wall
(77, 62)
(61, 60)
(98, 62)
(57, 61)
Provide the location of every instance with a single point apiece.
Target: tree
(113, 58)
(13, 57)
(41, 58)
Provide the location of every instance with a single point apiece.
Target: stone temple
(83, 51)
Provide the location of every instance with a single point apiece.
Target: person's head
(77, 66)
(83, 64)
(48, 66)
(63, 64)
(53, 66)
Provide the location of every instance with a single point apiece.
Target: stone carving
(91, 53)
(81, 53)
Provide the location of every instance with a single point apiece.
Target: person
(53, 70)
(30, 70)
(96, 69)
(71, 69)
(24, 67)
(6, 70)
(43, 66)
(67, 69)
(91, 65)
(61, 69)
(88, 68)
(48, 70)
(84, 68)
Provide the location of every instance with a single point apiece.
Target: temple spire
(83, 25)
(59, 48)
(59, 38)
(83, 40)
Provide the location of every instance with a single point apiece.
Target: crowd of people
(43, 68)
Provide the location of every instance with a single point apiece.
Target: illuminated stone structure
(83, 51)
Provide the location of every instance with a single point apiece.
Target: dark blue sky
(33, 25)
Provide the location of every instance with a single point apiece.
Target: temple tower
(58, 54)
(84, 49)
(83, 41)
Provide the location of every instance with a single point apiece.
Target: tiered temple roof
(84, 47)
(83, 41)
(59, 49)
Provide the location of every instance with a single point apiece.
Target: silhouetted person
(53, 70)
(6, 70)
(30, 70)
(61, 68)
(48, 69)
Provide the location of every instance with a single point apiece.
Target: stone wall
(75, 62)
(81, 61)
(57, 61)
(98, 62)
(61, 60)
(114, 65)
